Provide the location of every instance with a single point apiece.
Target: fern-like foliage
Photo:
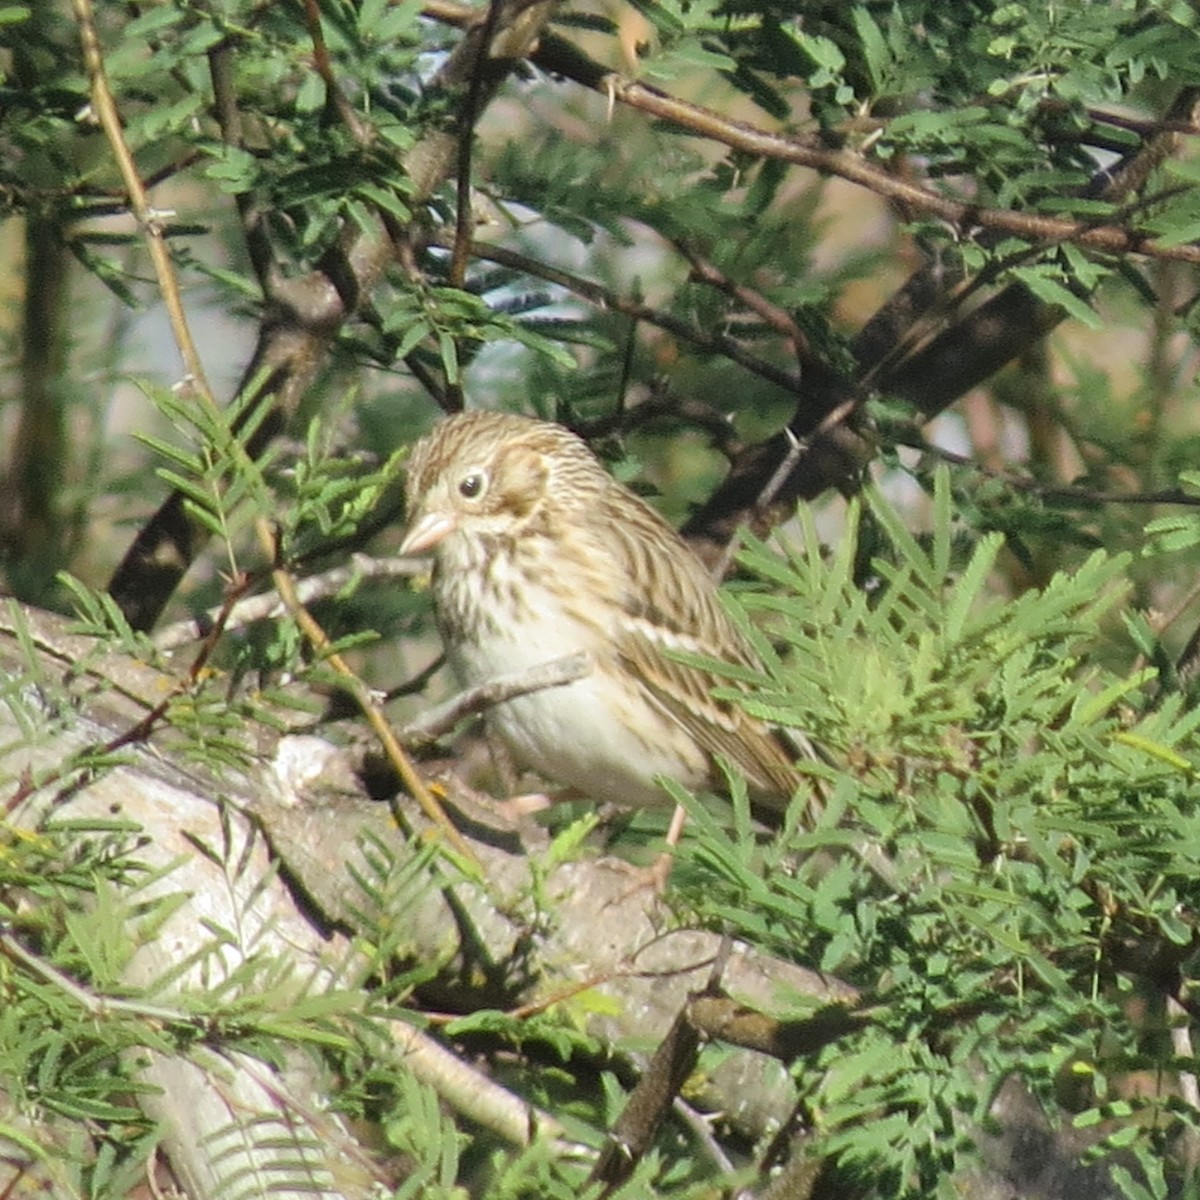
(1004, 857)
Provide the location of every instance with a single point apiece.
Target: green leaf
(876, 55)
(970, 586)
(1043, 285)
(824, 52)
(1154, 749)
(449, 355)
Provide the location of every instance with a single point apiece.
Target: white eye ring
(471, 484)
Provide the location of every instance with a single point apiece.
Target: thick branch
(328, 837)
(603, 297)
(230, 910)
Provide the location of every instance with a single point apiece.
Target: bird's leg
(506, 768)
(655, 876)
(515, 808)
(658, 874)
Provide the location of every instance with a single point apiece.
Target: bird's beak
(427, 532)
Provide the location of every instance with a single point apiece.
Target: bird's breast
(603, 734)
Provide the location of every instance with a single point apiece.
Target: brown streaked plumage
(540, 553)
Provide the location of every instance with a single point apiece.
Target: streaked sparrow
(540, 553)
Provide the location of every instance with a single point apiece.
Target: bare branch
(476, 1096)
(602, 297)
(149, 221)
(562, 57)
(269, 606)
(556, 673)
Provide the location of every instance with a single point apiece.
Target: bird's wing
(720, 727)
(667, 603)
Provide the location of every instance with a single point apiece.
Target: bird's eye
(471, 485)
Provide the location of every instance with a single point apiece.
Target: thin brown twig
(334, 95)
(463, 215)
(563, 57)
(1027, 483)
(463, 219)
(603, 297)
(414, 685)
(1140, 125)
(663, 403)
(147, 218)
(229, 118)
(269, 606)
(453, 12)
(778, 319)
(850, 166)
(797, 449)
(534, 1008)
(285, 585)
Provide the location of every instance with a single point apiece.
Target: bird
(538, 553)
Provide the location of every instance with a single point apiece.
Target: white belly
(575, 735)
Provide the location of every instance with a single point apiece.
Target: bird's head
(492, 475)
